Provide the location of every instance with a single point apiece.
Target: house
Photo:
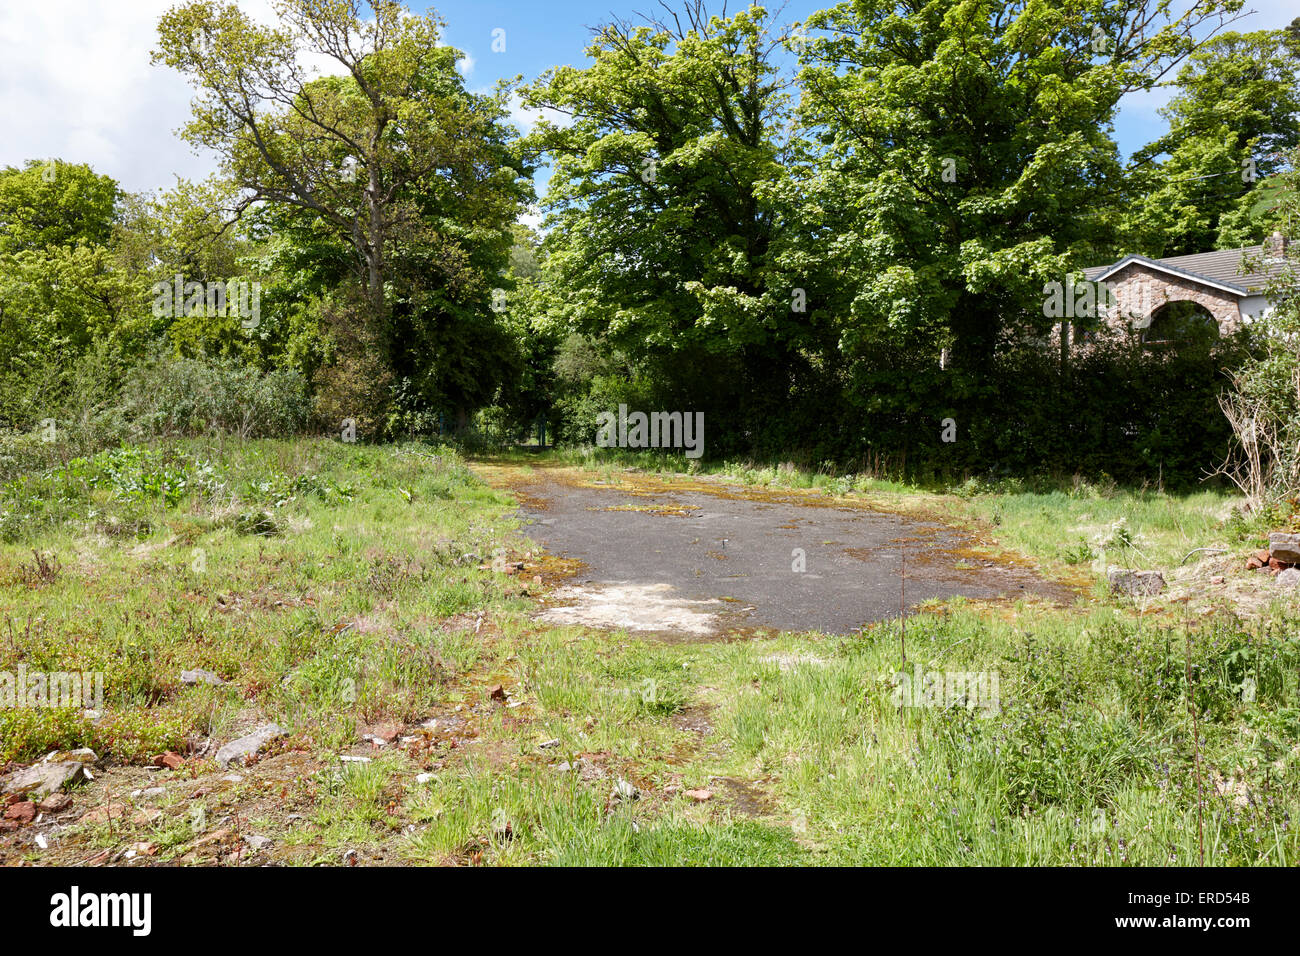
(1225, 288)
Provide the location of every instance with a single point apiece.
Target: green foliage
(180, 396)
(136, 474)
(55, 204)
(1263, 405)
(257, 522)
(965, 159)
(664, 227)
(825, 263)
(1231, 123)
(393, 179)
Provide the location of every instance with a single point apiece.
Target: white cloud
(532, 218)
(525, 119)
(314, 62)
(79, 86)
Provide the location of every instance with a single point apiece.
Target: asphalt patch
(703, 563)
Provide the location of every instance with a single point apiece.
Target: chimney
(1275, 247)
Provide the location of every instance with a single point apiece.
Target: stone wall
(1139, 291)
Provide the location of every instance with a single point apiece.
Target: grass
(337, 588)
(1134, 529)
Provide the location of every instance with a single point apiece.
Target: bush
(1125, 412)
(97, 403)
(1263, 406)
(353, 384)
(166, 397)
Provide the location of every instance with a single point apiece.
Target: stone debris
(1135, 583)
(23, 812)
(383, 734)
(250, 745)
(200, 676)
(49, 776)
(83, 755)
(1284, 547)
(216, 836)
(1282, 553)
(55, 803)
(117, 812)
(624, 791)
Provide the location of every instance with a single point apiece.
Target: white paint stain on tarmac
(620, 605)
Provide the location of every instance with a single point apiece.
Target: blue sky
(547, 32)
(544, 33)
(78, 84)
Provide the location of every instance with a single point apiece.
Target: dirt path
(698, 559)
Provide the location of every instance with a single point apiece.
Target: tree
(392, 170)
(353, 153)
(971, 142)
(60, 292)
(46, 204)
(1263, 404)
(1236, 114)
(664, 235)
(180, 232)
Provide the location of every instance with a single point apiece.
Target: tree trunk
(375, 243)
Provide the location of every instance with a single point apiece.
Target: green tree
(971, 145)
(1263, 405)
(393, 169)
(664, 233)
(357, 152)
(1235, 116)
(60, 290)
(53, 203)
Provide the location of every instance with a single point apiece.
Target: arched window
(1180, 323)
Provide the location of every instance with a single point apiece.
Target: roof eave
(1170, 270)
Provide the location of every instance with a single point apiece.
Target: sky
(76, 82)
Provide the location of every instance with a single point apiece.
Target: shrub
(169, 396)
(1263, 406)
